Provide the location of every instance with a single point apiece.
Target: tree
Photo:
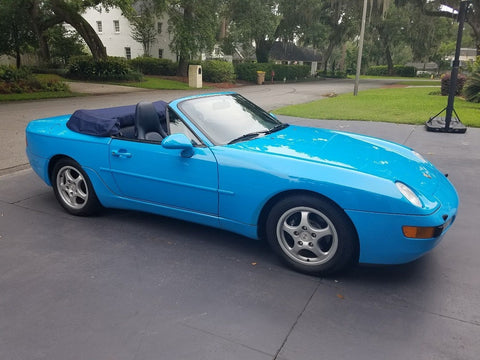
(64, 44)
(16, 35)
(47, 13)
(255, 21)
(436, 32)
(142, 20)
(433, 8)
(193, 25)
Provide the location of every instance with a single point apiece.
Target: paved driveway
(127, 285)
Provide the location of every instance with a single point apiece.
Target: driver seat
(147, 123)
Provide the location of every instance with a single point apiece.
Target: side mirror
(179, 142)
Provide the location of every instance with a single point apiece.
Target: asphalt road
(134, 286)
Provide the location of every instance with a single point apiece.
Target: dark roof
(290, 52)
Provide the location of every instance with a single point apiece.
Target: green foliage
(11, 74)
(143, 25)
(16, 35)
(398, 70)
(289, 72)
(248, 71)
(218, 71)
(19, 81)
(153, 66)
(193, 25)
(472, 86)
(111, 69)
(63, 45)
(255, 21)
(445, 87)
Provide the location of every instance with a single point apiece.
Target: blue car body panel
(228, 186)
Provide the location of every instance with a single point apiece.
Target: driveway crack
(294, 325)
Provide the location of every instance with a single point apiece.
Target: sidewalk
(101, 89)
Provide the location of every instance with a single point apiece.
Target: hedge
(218, 71)
(248, 71)
(111, 69)
(398, 70)
(154, 66)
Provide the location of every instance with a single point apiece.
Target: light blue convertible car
(323, 199)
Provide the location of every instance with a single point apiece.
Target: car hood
(355, 152)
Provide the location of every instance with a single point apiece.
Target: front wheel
(73, 188)
(312, 235)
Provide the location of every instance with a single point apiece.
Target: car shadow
(187, 234)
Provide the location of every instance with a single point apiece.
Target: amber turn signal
(420, 232)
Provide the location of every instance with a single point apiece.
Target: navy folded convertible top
(108, 122)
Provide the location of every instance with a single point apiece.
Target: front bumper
(382, 240)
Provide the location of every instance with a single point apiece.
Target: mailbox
(195, 76)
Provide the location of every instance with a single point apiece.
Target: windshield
(225, 118)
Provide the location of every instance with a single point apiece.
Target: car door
(149, 172)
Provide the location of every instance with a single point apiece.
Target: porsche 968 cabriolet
(323, 199)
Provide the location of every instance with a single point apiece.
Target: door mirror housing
(179, 142)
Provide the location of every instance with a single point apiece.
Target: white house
(115, 32)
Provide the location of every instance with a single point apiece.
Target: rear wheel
(312, 235)
(73, 188)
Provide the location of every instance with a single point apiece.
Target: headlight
(418, 156)
(409, 194)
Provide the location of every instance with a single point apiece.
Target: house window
(159, 27)
(160, 53)
(116, 26)
(128, 53)
(99, 26)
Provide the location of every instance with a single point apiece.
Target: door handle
(121, 153)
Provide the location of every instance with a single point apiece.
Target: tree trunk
(262, 50)
(182, 69)
(38, 29)
(72, 17)
(327, 54)
(388, 57)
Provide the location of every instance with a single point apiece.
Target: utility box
(195, 76)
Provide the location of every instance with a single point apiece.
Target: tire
(312, 235)
(73, 188)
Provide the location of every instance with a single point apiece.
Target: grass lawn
(154, 82)
(407, 105)
(37, 95)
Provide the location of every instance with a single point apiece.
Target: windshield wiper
(277, 128)
(248, 136)
(255, 134)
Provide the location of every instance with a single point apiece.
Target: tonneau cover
(108, 121)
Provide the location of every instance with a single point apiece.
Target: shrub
(113, 68)
(445, 88)
(11, 74)
(154, 66)
(398, 70)
(380, 70)
(218, 71)
(404, 71)
(17, 81)
(472, 87)
(248, 71)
